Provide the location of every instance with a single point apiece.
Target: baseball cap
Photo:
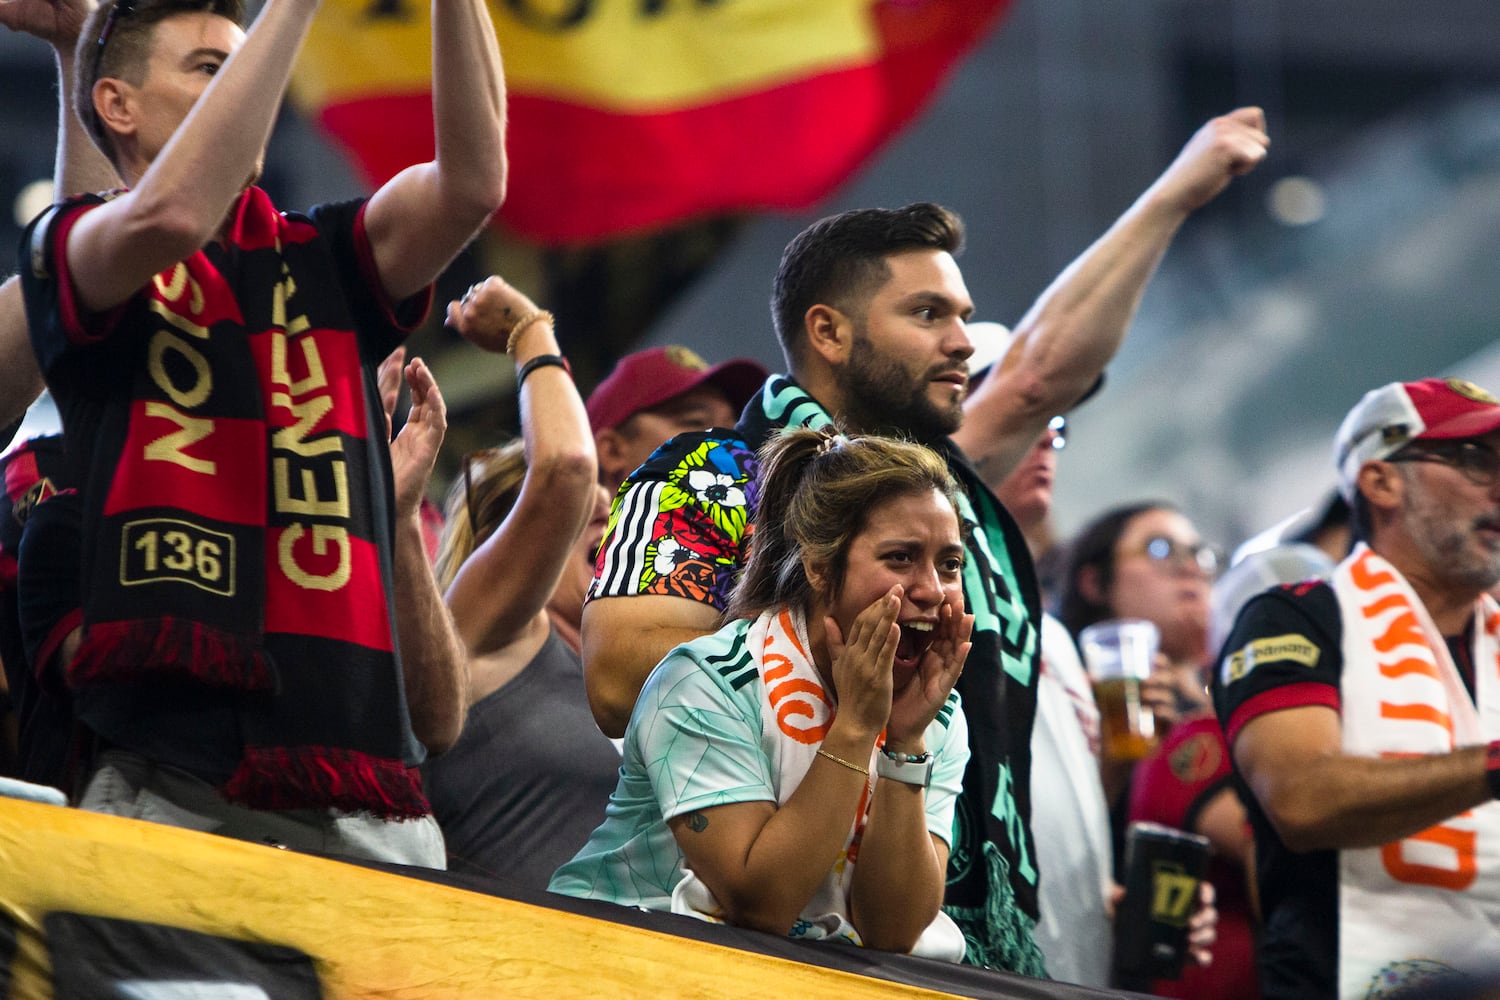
(649, 378)
(1300, 528)
(1388, 418)
(991, 340)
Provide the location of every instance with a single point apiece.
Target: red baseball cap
(1386, 419)
(649, 378)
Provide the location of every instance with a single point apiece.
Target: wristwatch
(911, 768)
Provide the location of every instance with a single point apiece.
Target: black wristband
(542, 361)
(1492, 768)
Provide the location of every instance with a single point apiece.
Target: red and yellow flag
(631, 114)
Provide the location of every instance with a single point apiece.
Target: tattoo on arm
(697, 822)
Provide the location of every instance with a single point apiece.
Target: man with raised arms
(870, 308)
(242, 660)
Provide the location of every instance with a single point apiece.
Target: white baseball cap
(991, 341)
(1389, 418)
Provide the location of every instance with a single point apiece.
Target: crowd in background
(793, 651)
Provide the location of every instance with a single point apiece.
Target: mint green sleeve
(947, 737)
(700, 739)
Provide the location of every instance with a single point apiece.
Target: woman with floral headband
(796, 771)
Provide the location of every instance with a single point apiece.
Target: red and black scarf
(29, 474)
(238, 534)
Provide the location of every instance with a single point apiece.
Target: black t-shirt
(47, 608)
(30, 477)
(92, 362)
(1284, 652)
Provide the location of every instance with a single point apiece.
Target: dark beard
(881, 398)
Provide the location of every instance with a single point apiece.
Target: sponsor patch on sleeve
(1292, 647)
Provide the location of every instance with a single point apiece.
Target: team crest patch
(1415, 977)
(39, 491)
(682, 357)
(1293, 647)
(1469, 390)
(1196, 760)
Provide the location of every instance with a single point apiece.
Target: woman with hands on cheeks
(796, 771)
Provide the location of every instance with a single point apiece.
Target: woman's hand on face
(863, 661)
(915, 706)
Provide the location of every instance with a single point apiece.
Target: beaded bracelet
(542, 361)
(522, 323)
(907, 758)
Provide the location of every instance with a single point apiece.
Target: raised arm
(180, 196)
(1070, 333)
(79, 166)
(1318, 798)
(421, 218)
(434, 670)
(20, 379)
(508, 579)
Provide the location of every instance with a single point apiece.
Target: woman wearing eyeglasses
(529, 778)
(1145, 561)
(1149, 561)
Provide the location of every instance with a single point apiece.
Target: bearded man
(870, 307)
(1363, 713)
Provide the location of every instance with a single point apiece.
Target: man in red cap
(658, 393)
(1363, 714)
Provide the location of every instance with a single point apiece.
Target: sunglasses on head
(121, 10)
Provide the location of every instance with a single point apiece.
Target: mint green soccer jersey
(695, 741)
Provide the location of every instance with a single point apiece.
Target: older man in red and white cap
(1363, 714)
(658, 393)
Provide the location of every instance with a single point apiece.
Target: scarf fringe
(999, 934)
(327, 778)
(176, 648)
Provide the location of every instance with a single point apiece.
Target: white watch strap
(912, 772)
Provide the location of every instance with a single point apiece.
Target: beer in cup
(1119, 654)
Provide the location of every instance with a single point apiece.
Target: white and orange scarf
(1430, 903)
(797, 713)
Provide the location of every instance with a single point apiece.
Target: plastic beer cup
(1119, 654)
